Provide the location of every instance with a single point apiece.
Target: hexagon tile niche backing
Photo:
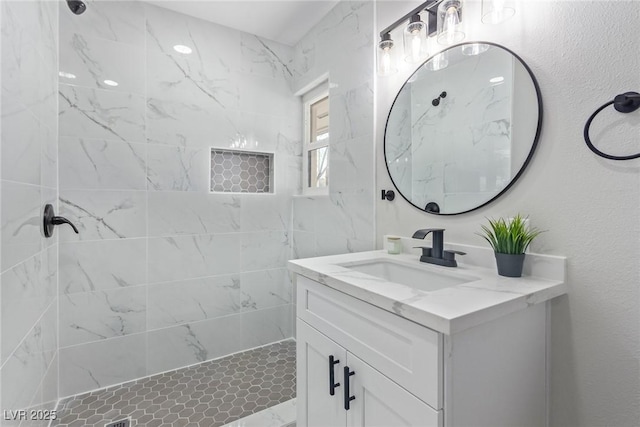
(209, 394)
(241, 171)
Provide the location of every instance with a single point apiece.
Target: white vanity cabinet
(405, 374)
(376, 399)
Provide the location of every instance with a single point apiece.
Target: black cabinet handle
(332, 376)
(49, 220)
(347, 393)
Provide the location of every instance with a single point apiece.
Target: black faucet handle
(58, 220)
(451, 255)
(49, 221)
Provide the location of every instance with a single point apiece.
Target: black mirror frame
(522, 168)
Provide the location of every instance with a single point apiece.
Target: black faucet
(436, 254)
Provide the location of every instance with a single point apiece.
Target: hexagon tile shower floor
(209, 394)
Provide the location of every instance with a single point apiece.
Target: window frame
(308, 99)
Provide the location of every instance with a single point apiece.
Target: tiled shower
(164, 273)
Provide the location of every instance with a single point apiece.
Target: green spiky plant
(509, 237)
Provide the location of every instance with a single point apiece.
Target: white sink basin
(424, 279)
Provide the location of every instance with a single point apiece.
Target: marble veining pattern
(90, 60)
(134, 172)
(183, 212)
(102, 363)
(101, 264)
(177, 169)
(187, 257)
(423, 155)
(123, 22)
(102, 164)
(29, 114)
(27, 290)
(481, 297)
(104, 214)
(176, 303)
(327, 227)
(91, 316)
(96, 113)
(265, 57)
(21, 237)
(21, 162)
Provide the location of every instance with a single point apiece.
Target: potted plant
(509, 240)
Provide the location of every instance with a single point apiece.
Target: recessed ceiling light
(180, 48)
(110, 83)
(496, 80)
(66, 75)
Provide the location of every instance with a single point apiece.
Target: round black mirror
(463, 128)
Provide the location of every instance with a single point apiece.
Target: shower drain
(120, 423)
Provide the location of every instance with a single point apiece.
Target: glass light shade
(439, 61)
(386, 64)
(472, 49)
(449, 18)
(497, 11)
(415, 40)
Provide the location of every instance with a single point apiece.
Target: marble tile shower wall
(341, 44)
(28, 291)
(164, 274)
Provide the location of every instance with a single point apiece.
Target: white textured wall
(582, 53)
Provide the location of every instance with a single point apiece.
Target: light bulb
(416, 45)
(449, 18)
(386, 62)
(450, 22)
(415, 40)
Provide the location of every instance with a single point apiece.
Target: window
(315, 155)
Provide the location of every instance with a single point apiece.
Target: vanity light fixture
(497, 11)
(385, 63)
(415, 37)
(415, 40)
(441, 18)
(180, 48)
(449, 18)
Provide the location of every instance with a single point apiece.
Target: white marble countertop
(486, 296)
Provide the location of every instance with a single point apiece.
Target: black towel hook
(625, 103)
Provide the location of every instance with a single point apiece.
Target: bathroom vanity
(384, 340)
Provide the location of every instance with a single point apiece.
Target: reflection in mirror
(460, 151)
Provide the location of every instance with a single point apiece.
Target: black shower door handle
(332, 376)
(347, 393)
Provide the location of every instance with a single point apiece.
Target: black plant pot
(510, 265)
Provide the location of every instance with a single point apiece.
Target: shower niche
(238, 171)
